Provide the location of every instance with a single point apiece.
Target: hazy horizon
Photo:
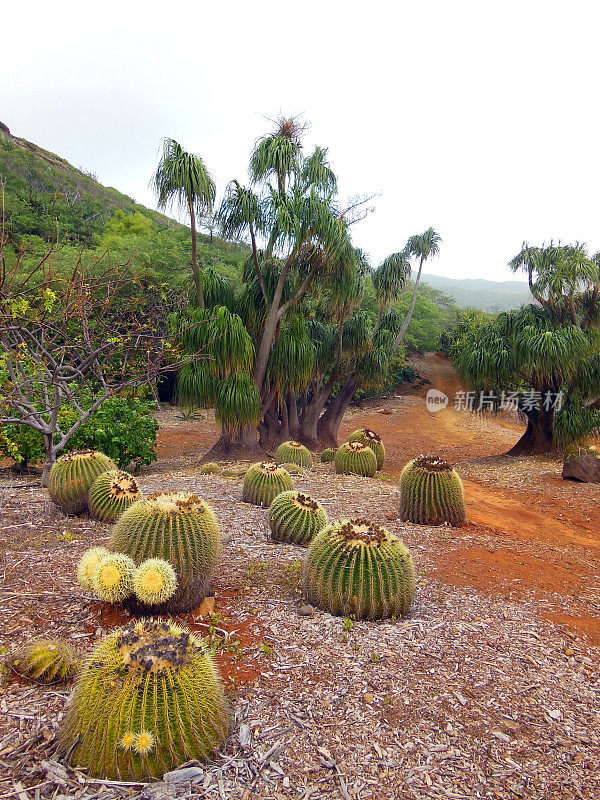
(458, 116)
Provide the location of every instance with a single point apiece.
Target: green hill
(47, 199)
(490, 296)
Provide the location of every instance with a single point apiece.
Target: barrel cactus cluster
(295, 518)
(372, 440)
(148, 699)
(71, 477)
(293, 453)
(264, 481)
(356, 568)
(111, 494)
(45, 661)
(431, 492)
(355, 458)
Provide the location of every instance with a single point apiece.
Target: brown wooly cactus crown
(293, 453)
(264, 481)
(296, 518)
(179, 528)
(45, 661)
(372, 440)
(148, 699)
(71, 477)
(355, 458)
(111, 493)
(358, 568)
(431, 492)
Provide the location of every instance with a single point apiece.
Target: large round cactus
(148, 699)
(293, 453)
(45, 661)
(264, 481)
(154, 582)
(357, 568)
(179, 528)
(355, 458)
(111, 493)
(71, 477)
(328, 455)
(112, 580)
(372, 440)
(295, 518)
(431, 492)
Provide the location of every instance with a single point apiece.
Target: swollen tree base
(241, 446)
(537, 439)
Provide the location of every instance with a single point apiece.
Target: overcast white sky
(479, 118)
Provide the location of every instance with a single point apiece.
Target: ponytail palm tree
(421, 246)
(182, 179)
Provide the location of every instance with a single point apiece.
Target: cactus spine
(328, 455)
(71, 477)
(372, 440)
(263, 482)
(45, 661)
(293, 453)
(154, 582)
(296, 518)
(355, 458)
(87, 564)
(357, 568)
(111, 493)
(431, 492)
(179, 528)
(112, 580)
(148, 699)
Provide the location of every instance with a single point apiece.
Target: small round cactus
(263, 482)
(179, 528)
(355, 458)
(357, 568)
(71, 477)
(154, 582)
(111, 493)
(211, 468)
(293, 453)
(45, 661)
(372, 440)
(292, 469)
(87, 564)
(431, 492)
(295, 518)
(112, 580)
(148, 699)
(328, 455)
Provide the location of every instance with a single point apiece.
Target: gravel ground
(469, 697)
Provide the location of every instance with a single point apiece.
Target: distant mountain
(491, 296)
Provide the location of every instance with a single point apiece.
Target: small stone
(185, 774)
(368, 697)
(306, 610)
(555, 713)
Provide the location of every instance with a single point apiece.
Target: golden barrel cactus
(264, 481)
(293, 453)
(296, 518)
(148, 699)
(179, 528)
(111, 493)
(372, 440)
(356, 568)
(71, 477)
(327, 456)
(45, 661)
(355, 458)
(431, 492)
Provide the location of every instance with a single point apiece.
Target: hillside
(491, 296)
(46, 198)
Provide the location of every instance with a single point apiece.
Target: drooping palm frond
(323, 335)
(424, 245)
(217, 290)
(317, 172)
(237, 403)
(292, 359)
(182, 179)
(277, 154)
(390, 277)
(230, 346)
(356, 337)
(240, 211)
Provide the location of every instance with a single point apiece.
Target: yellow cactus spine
(431, 492)
(264, 481)
(112, 493)
(112, 580)
(154, 582)
(179, 528)
(357, 568)
(87, 564)
(372, 440)
(355, 458)
(45, 661)
(71, 477)
(295, 518)
(293, 453)
(148, 699)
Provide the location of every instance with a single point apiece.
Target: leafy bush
(122, 428)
